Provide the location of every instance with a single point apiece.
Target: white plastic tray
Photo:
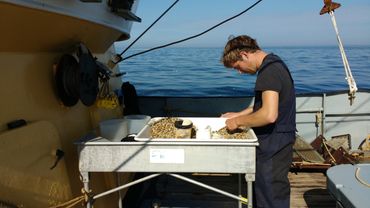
(198, 122)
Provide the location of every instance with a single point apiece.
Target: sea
(198, 72)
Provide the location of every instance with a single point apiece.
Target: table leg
(250, 178)
(119, 192)
(85, 181)
(240, 188)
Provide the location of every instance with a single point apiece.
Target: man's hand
(231, 124)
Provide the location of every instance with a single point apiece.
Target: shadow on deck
(308, 189)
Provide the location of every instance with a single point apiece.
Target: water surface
(187, 72)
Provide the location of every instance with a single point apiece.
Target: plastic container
(114, 130)
(183, 128)
(204, 132)
(136, 122)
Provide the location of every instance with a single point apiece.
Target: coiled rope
(357, 175)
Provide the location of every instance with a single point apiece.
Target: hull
(56, 26)
(34, 36)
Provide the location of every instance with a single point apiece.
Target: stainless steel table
(190, 156)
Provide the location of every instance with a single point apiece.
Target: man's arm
(267, 114)
(246, 111)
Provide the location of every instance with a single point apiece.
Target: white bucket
(136, 122)
(114, 130)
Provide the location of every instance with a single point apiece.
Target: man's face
(244, 66)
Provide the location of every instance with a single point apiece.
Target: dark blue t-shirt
(274, 75)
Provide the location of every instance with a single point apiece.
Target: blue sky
(272, 22)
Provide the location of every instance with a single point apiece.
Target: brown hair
(234, 46)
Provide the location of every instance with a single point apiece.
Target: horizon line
(267, 46)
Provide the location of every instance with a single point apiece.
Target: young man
(272, 118)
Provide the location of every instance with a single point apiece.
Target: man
(272, 118)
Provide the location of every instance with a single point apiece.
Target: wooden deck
(308, 189)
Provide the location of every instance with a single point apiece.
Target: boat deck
(308, 189)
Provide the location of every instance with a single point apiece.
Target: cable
(194, 36)
(148, 28)
(357, 175)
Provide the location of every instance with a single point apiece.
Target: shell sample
(224, 133)
(164, 128)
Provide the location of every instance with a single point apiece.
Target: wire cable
(194, 36)
(168, 9)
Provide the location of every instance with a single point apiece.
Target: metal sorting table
(350, 184)
(171, 156)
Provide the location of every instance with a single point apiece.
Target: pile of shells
(224, 133)
(163, 128)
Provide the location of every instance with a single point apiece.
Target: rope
(87, 195)
(106, 98)
(350, 80)
(327, 149)
(70, 203)
(357, 175)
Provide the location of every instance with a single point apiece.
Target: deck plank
(308, 189)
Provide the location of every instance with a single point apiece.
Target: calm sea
(184, 72)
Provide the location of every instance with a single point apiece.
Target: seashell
(224, 133)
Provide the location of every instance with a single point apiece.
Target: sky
(271, 22)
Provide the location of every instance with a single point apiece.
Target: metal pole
(323, 126)
(250, 178)
(250, 196)
(119, 192)
(240, 188)
(127, 185)
(350, 80)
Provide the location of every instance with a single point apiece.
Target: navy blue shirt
(274, 75)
